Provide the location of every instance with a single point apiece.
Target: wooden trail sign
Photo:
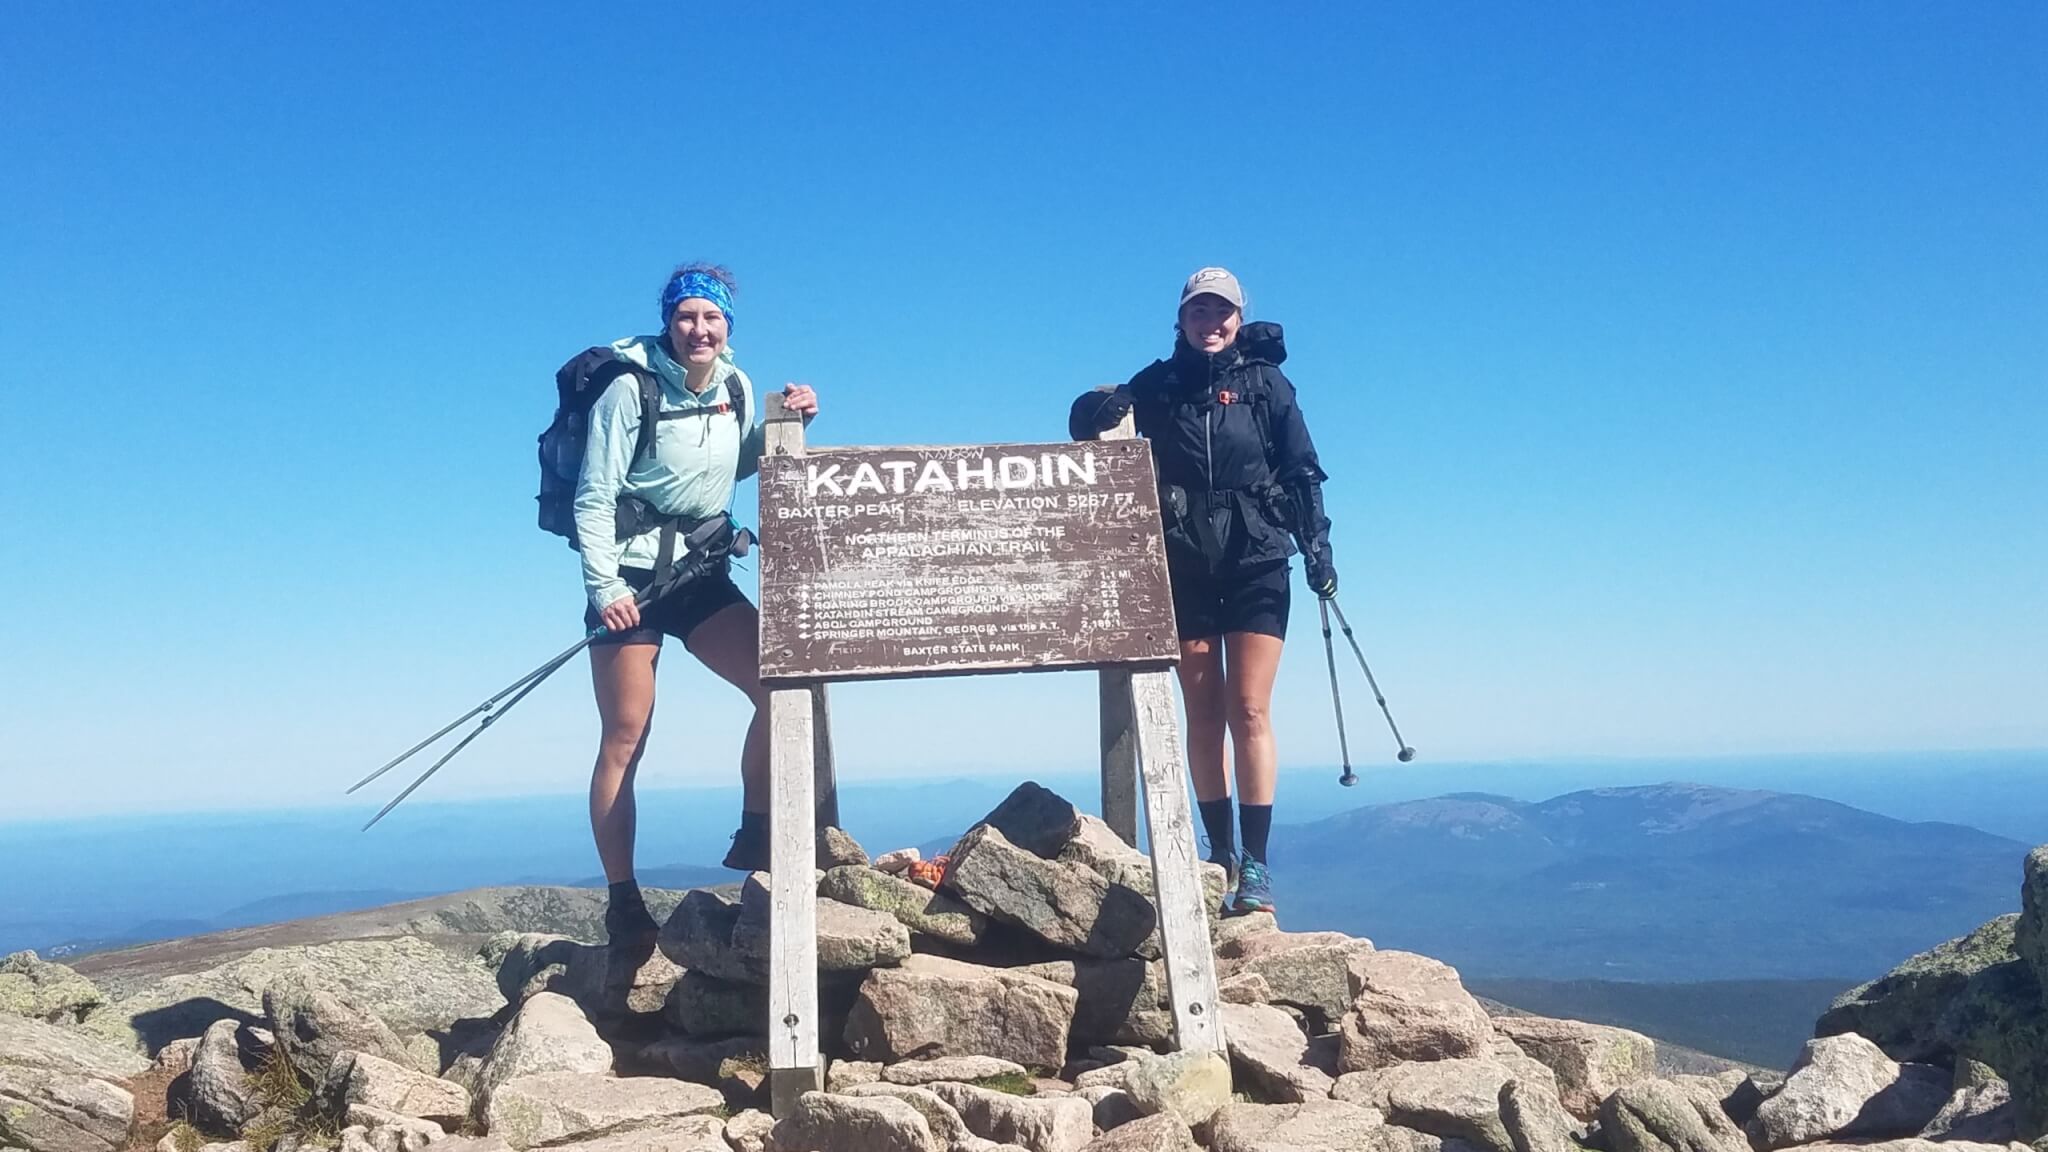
(885, 562)
(898, 562)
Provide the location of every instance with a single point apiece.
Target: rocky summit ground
(1010, 997)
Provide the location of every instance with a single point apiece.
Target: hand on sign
(801, 399)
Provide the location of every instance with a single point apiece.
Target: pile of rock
(1011, 999)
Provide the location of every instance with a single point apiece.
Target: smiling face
(1209, 323)
(697, 330)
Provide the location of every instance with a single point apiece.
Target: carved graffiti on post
(879, 562)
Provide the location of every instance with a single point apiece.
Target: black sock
(1216, 822)
(625, 892)
(753, 824)
(1257, 820)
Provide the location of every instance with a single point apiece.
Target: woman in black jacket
(1240, 491)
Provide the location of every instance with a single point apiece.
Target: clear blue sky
(1682, 369)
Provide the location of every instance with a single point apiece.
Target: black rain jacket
(1238, 475)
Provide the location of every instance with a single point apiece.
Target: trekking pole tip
(1406, 754)
(1348, 779)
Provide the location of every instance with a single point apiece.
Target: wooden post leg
(794, 1065)
(1176, 874)
(1119, 756)
(824, 772)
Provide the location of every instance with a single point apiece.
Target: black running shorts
(676, 614)
(1207, 605)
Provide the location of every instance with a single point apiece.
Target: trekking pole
(1406, 754)
(1336, 701)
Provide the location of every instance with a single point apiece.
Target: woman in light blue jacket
(701, 451)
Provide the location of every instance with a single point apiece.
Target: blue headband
(700, 285)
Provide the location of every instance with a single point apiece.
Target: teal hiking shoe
(1254, 887)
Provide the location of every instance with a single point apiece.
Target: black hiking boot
(749, 852)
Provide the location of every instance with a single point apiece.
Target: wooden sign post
(891, 563)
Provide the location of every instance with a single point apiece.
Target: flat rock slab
(1119, 1001)
(46, 1110)
(1293, 1127)
(29, 1043)
(1162, 1133)
(411, 984)
(40, 990)
(556, 1107)
(821, 1122)
(359, 1078)
(964, 1069)
(945, 1122)
(850, 939)
(1449, 1099)
(1190, 1085)
(1065, 905)
(932, 1007)
(938, 915)
(314, 1024)
(1663, 1116)
(1314, 978)
(1041, 1124)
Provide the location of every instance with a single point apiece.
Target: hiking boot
(749, 852)
(629, 925)
(1254, 888)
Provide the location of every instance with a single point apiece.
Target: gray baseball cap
(1213, 282)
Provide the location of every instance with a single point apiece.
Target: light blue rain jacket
(692, 471)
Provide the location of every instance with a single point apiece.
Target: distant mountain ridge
(1669, 882)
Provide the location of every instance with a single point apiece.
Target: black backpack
(578, 384)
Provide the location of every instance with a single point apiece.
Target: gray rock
(1408, 1007)
(39, 990)
(411, 984)
(691, 1058)
(826, 1123)
(703, 1005)
(359, 1078)
(2030, 934)
(938, 915)
(1119, 1001)
(1270, 1054)
(1451, 1099)
(1041, 1124)
(843, 1074)
(1314, 978)
(947, 1127)
(933, 1007)
(532, 962)
(1190, 1085)
(1113, 1106)
(1982, 1113)
(313, 1025)
(676, 1134)
(748, 1131)
(1846, 1086)
(222, 1098)
(29, 1043)
(698, 936)
(964, 1069)
(898, 862)
(1914, 1144)
(1901, 1010)
(2001, 1019)
(1591, 1061)
(837, 849)
(1664, 1116)
(1035, 819)
(390, 1132)
(518, 958)
(850, 939)
(1244, 988)
(50, 1110)
(175, 1059)
(1534, 1119)
(549, 1034)
(558, 1107)
(1162, 1133)
(1318, 1124)
(1066, 905)
(577, 913)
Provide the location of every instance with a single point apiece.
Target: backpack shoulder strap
(650, 413)
(736, 395)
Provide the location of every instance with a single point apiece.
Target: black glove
(1322, 574)
(1097, 412)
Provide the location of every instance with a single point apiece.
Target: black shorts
(1206, 605)
(676, 614)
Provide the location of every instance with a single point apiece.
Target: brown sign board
(922, 561)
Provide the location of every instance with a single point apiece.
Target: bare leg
(1202, 693)
(729, 644)
(1253, 660)
(623, 675)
